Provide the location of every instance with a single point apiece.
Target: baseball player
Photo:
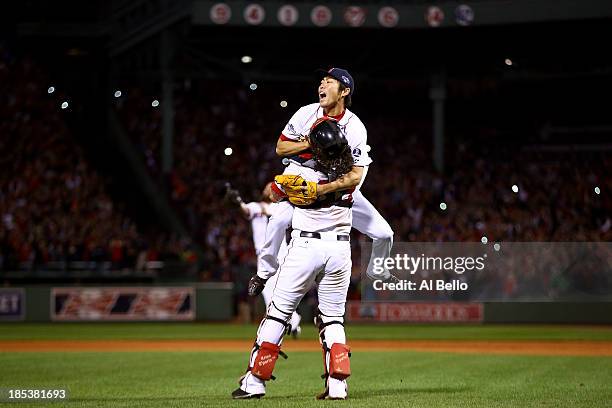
(258, 212)
(319, 252)
(335, 92)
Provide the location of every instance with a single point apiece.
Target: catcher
(319, 252)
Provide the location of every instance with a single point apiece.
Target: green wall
(215, 302)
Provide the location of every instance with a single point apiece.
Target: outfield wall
(215, 302)
(201, 302)
(549, 312)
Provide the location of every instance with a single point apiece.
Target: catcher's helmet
(325, 137)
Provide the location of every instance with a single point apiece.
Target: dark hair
(347, 99)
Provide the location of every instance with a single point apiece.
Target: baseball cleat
(325, 395)
(240, 394)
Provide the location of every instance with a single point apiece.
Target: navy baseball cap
(341, 75)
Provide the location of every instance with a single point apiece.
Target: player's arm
(245, 210)
(291, 140)
(253, 209)
(345, 182)
(289, 147)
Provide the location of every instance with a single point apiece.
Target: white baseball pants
(366, 219)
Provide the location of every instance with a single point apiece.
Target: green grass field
(381, 379)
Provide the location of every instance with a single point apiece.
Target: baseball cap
(341, 75)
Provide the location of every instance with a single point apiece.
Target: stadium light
(117, 94)
(155, 103)
(253, 86)
(228, 151)
(51, 89)
(246, 59)
(508, 62)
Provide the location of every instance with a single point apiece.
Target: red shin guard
(339, 362)
(265, 360)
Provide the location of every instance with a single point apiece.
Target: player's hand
(232, 196)
(256, 285)
(304, 139)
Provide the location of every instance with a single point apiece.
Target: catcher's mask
(326, 138)
(330, 148)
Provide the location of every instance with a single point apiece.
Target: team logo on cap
(345, 79)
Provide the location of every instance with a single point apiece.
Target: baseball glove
(299, 191)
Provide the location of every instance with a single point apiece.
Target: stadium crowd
(555, 200)
(55, 208)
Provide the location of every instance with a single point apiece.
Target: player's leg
(332, 291)
(269, 290)
(295, 277)
(368, 221)
(294, 327)
(267, 262)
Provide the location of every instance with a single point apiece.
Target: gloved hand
(256, 285)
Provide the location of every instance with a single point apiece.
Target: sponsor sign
(12, 304)
(124, 303)
(415, 312)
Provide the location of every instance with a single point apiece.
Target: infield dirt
(545, 348)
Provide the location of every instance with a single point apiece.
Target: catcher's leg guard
(264, 353)
(339, 363)
(336, 355)
(264, 362)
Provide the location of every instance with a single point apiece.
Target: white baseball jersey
(335, 218)
(350, 125)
